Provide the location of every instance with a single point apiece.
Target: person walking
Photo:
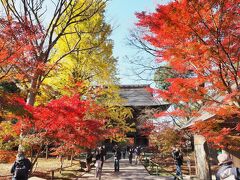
(178, 158)
(124, 152)
(98, 164)
(89, 157)
(130, 154)
(21, 167)
(226, 170)
(117, 157)
(104, 152)
(138, 154)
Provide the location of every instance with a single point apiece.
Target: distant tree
(165, 136)
(162, 74)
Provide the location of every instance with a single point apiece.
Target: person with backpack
(138, 154)
(178, 158)
(130, 154)
(226, 170)
(21, 167)
(89, 157)
(104, 152)
(117, 157)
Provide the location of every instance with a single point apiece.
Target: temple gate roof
(139, 96)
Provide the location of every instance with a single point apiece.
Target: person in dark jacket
(124, 152)
(21, 167)
(178, 158)
(89, 157)
(130, 154)
(98, 163)
(226, 170)
(117, 157)
(104, 152)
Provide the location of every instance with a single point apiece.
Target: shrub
(7, 156)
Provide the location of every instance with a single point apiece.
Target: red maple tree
(199, 40)
(16, 53)
(68, 121)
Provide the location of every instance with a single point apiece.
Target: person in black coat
(117, 157)
(130, 154)
(21, 167)
(178, 158)
(104, 152)
(89, 157)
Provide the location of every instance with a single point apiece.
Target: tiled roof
(137, 95)
(204, 115)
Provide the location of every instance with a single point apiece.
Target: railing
(81, 163)
(152, 167)
(52, 172)
(158, 169)
(58, 169)
(6, 177)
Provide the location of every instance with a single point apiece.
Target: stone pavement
(127, 172)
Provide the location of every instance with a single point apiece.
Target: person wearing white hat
(226, 170)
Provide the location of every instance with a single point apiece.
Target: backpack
(138, 151)
(20, 170)
(178, 158)
(227, 174)
(117, 154)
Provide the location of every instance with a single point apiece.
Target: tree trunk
(61, 160)
(31, 153)
(20, 147)
(30, 101)
(31, 98)
(202, 161)
(71, 158)
(33, 91)
(36, 158)
(46, 151)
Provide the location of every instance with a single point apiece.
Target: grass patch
(44, 166)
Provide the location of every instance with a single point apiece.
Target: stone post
(201, 155)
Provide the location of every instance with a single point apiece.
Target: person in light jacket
(226, 169)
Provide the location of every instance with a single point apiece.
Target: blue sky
(121, 15)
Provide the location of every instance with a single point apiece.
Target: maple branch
(59, 59)
(11, 8)
(218, 44)
(216, 34)
(6, 72)
(71, 20)
(138, 42)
